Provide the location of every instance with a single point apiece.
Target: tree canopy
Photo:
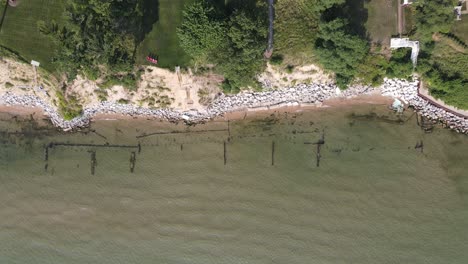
(340, 51)
(201, 32)
(232, 40)
(98, 33)
(433, 16)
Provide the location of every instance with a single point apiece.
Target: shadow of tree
(150, 17)
(355, 12)
(357, 16)
(3, 15)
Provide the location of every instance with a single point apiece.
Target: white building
(396, 43)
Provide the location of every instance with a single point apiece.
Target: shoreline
(302, 96)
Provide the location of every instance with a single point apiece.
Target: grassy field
(163, 40)
(382, 20)
(460, 29)
(295, 31)
(19, 31)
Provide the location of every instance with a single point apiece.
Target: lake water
(247, 191)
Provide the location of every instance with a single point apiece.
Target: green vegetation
(432, 16)
(373, 70)
(376, 66)
(339, 51)
(19, 30)
(9, 85)
(445, 72)
(201, 33)
(296, 27)
(277, 59)
(106, 40)
(460, 29)
(234, 40)
(162, 40)
(97, 33)
(443, 61)
(400, 64)
(69, 107)
(382, 21)
(127, 80)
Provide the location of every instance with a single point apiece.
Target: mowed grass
(460, 29)
(382, 20)
(295, 31)
(163, 40)
(20, 34)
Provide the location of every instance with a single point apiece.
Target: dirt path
(400, 18)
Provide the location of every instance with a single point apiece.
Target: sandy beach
(185, 97)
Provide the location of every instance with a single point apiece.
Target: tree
(241, 57)
(319, 6)
(400, 65)
(372, 70)
(97, 33)
(233, 40)
(433, 16)
(201, 32)
(340, 51)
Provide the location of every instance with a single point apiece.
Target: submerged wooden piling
(420, 146)
(93, 161)
(46, 157)
(319, 144)
(318, 156)
(272, 153)
(132, 161)
(46, 153)
(426, 124)
(57, 144)
(225, 155)
(229, 128)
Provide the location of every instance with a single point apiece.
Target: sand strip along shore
(294, 96)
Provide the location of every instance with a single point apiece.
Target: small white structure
(407, 2)
(35, 64)
(397, 106)
(396, 43)
(457, 11)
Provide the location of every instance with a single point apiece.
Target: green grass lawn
(20, 34)
(295, 31)
(382, 21)
(163, 40)
(460, 29)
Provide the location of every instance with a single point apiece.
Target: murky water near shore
(247, 191)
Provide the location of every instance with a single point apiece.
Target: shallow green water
(374, 198)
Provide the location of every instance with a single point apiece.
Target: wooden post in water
(272, 153)
(46, 157)
(319, 144)
(229, 130)
(132, 161)
(93, 161)
(318, 154)
(225, 157)
(420, 146)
